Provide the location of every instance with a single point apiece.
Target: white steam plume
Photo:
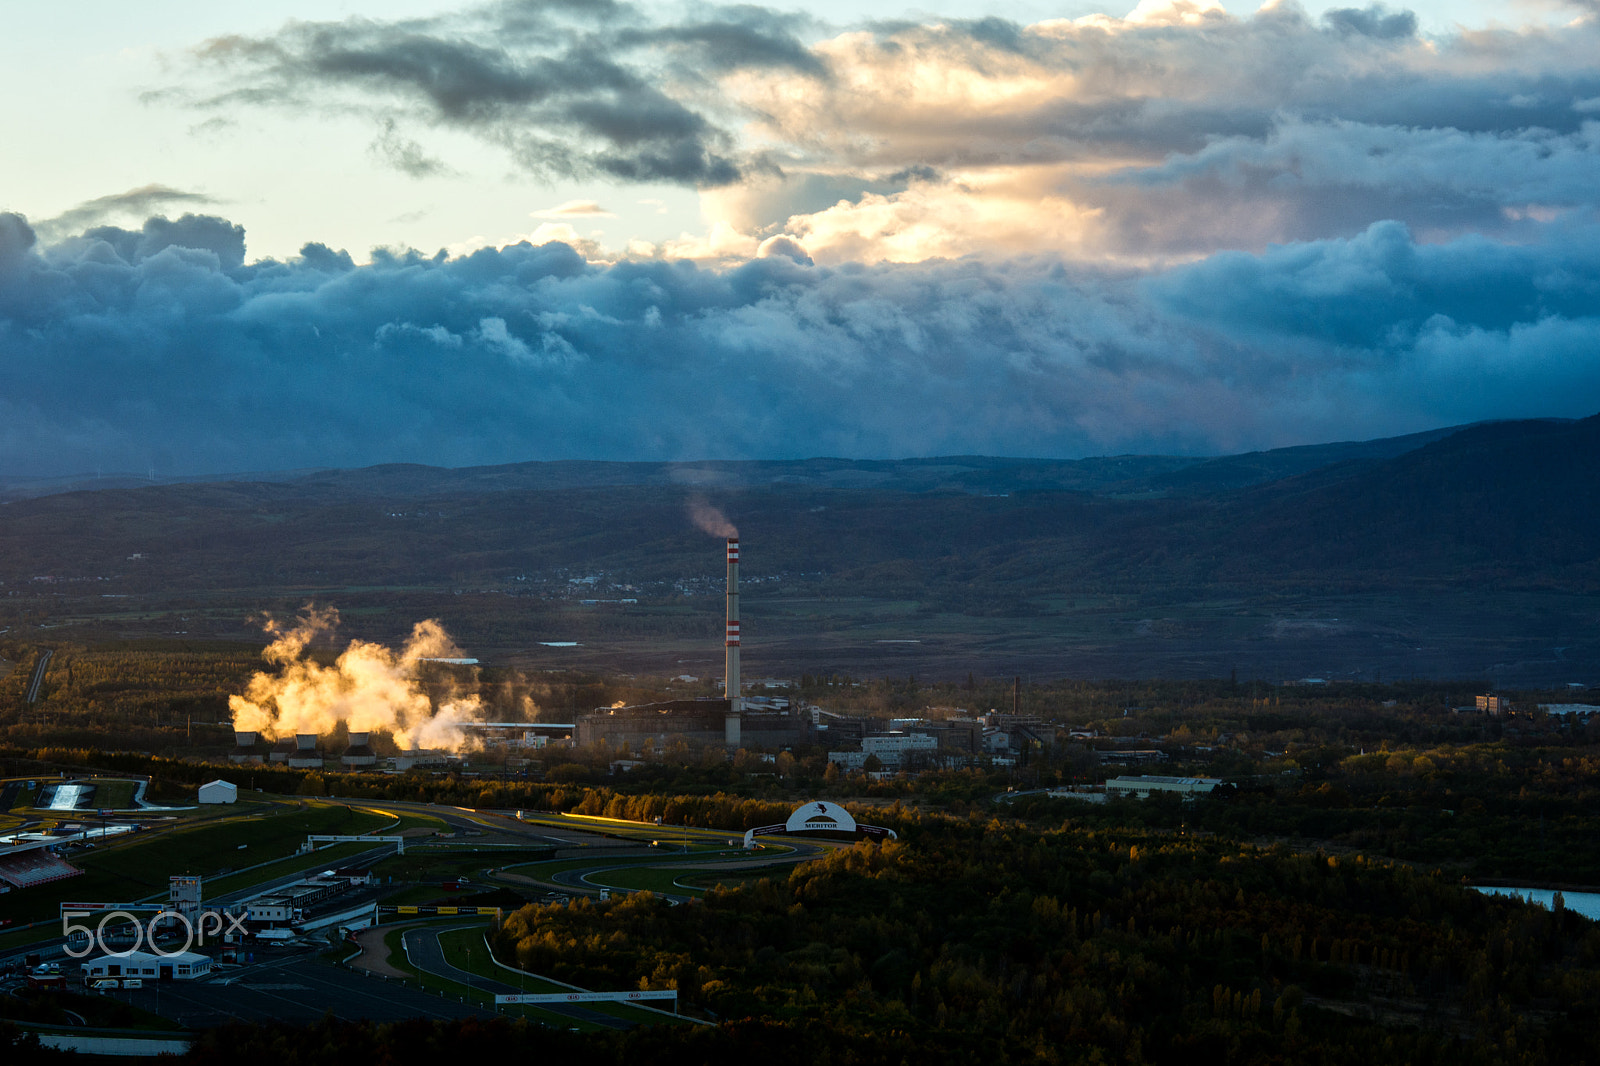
(370, 688)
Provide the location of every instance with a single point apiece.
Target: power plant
(729, 722)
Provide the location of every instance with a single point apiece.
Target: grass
(626, 830)
(645, 880)
(406, 820)
(115, 794)
(444, 865)
(456, 990)
(324, 859)
(136, 867)
(543, 871)
(416, 896)
(466, 950)
(202, 849)
(99, 1012)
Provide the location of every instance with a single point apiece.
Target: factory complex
(768, 723)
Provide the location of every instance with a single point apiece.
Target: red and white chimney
(730, 649)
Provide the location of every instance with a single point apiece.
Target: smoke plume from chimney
(370, 688)
(710, 520)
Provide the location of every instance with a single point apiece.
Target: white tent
(219, 792)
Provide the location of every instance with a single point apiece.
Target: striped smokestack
(730, 671)
(731, 645)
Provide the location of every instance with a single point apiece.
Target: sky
(339, 234)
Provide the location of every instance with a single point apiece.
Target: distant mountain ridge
(1122, 475)
(1472, 552)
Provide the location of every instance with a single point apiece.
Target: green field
(642, 879)
(137, 867)
(465, 949)
(323, 859)
(416, 865)
(458, 955)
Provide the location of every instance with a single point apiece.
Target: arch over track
(819, 816)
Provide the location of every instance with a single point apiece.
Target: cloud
(786, 246)
(1375, 20)
(568, 90)
(575, 209)
(1175, 131)
(406, 155)
(1170, 132)
(135, 203)
(127, 344)
(190, 233)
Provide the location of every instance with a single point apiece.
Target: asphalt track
(298, 990)
(38, 676)
(424, 951)
(589, 879)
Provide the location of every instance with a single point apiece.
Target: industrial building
(1145, 787)
(178, 966)
(520, 735)
(291, 905)
(900, 750)
(697, 723)
(426, 759)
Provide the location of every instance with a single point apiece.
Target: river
(1584, 903)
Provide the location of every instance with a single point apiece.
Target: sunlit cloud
(575, 209)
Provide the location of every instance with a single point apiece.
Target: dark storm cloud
(572, 89)
(1375, 20)
(124, 345)
(193, 232)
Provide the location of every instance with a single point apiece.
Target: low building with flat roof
(1147, 786)
(179, 966)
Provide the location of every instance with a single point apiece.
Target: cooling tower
(306, 756)
(359, 754)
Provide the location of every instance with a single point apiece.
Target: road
(299, 989)
(424, 951)
(38, 675)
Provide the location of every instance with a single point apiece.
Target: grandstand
(24, 869)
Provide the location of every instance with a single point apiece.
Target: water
(1584, 903)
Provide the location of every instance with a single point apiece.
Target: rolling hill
(1468, 552)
